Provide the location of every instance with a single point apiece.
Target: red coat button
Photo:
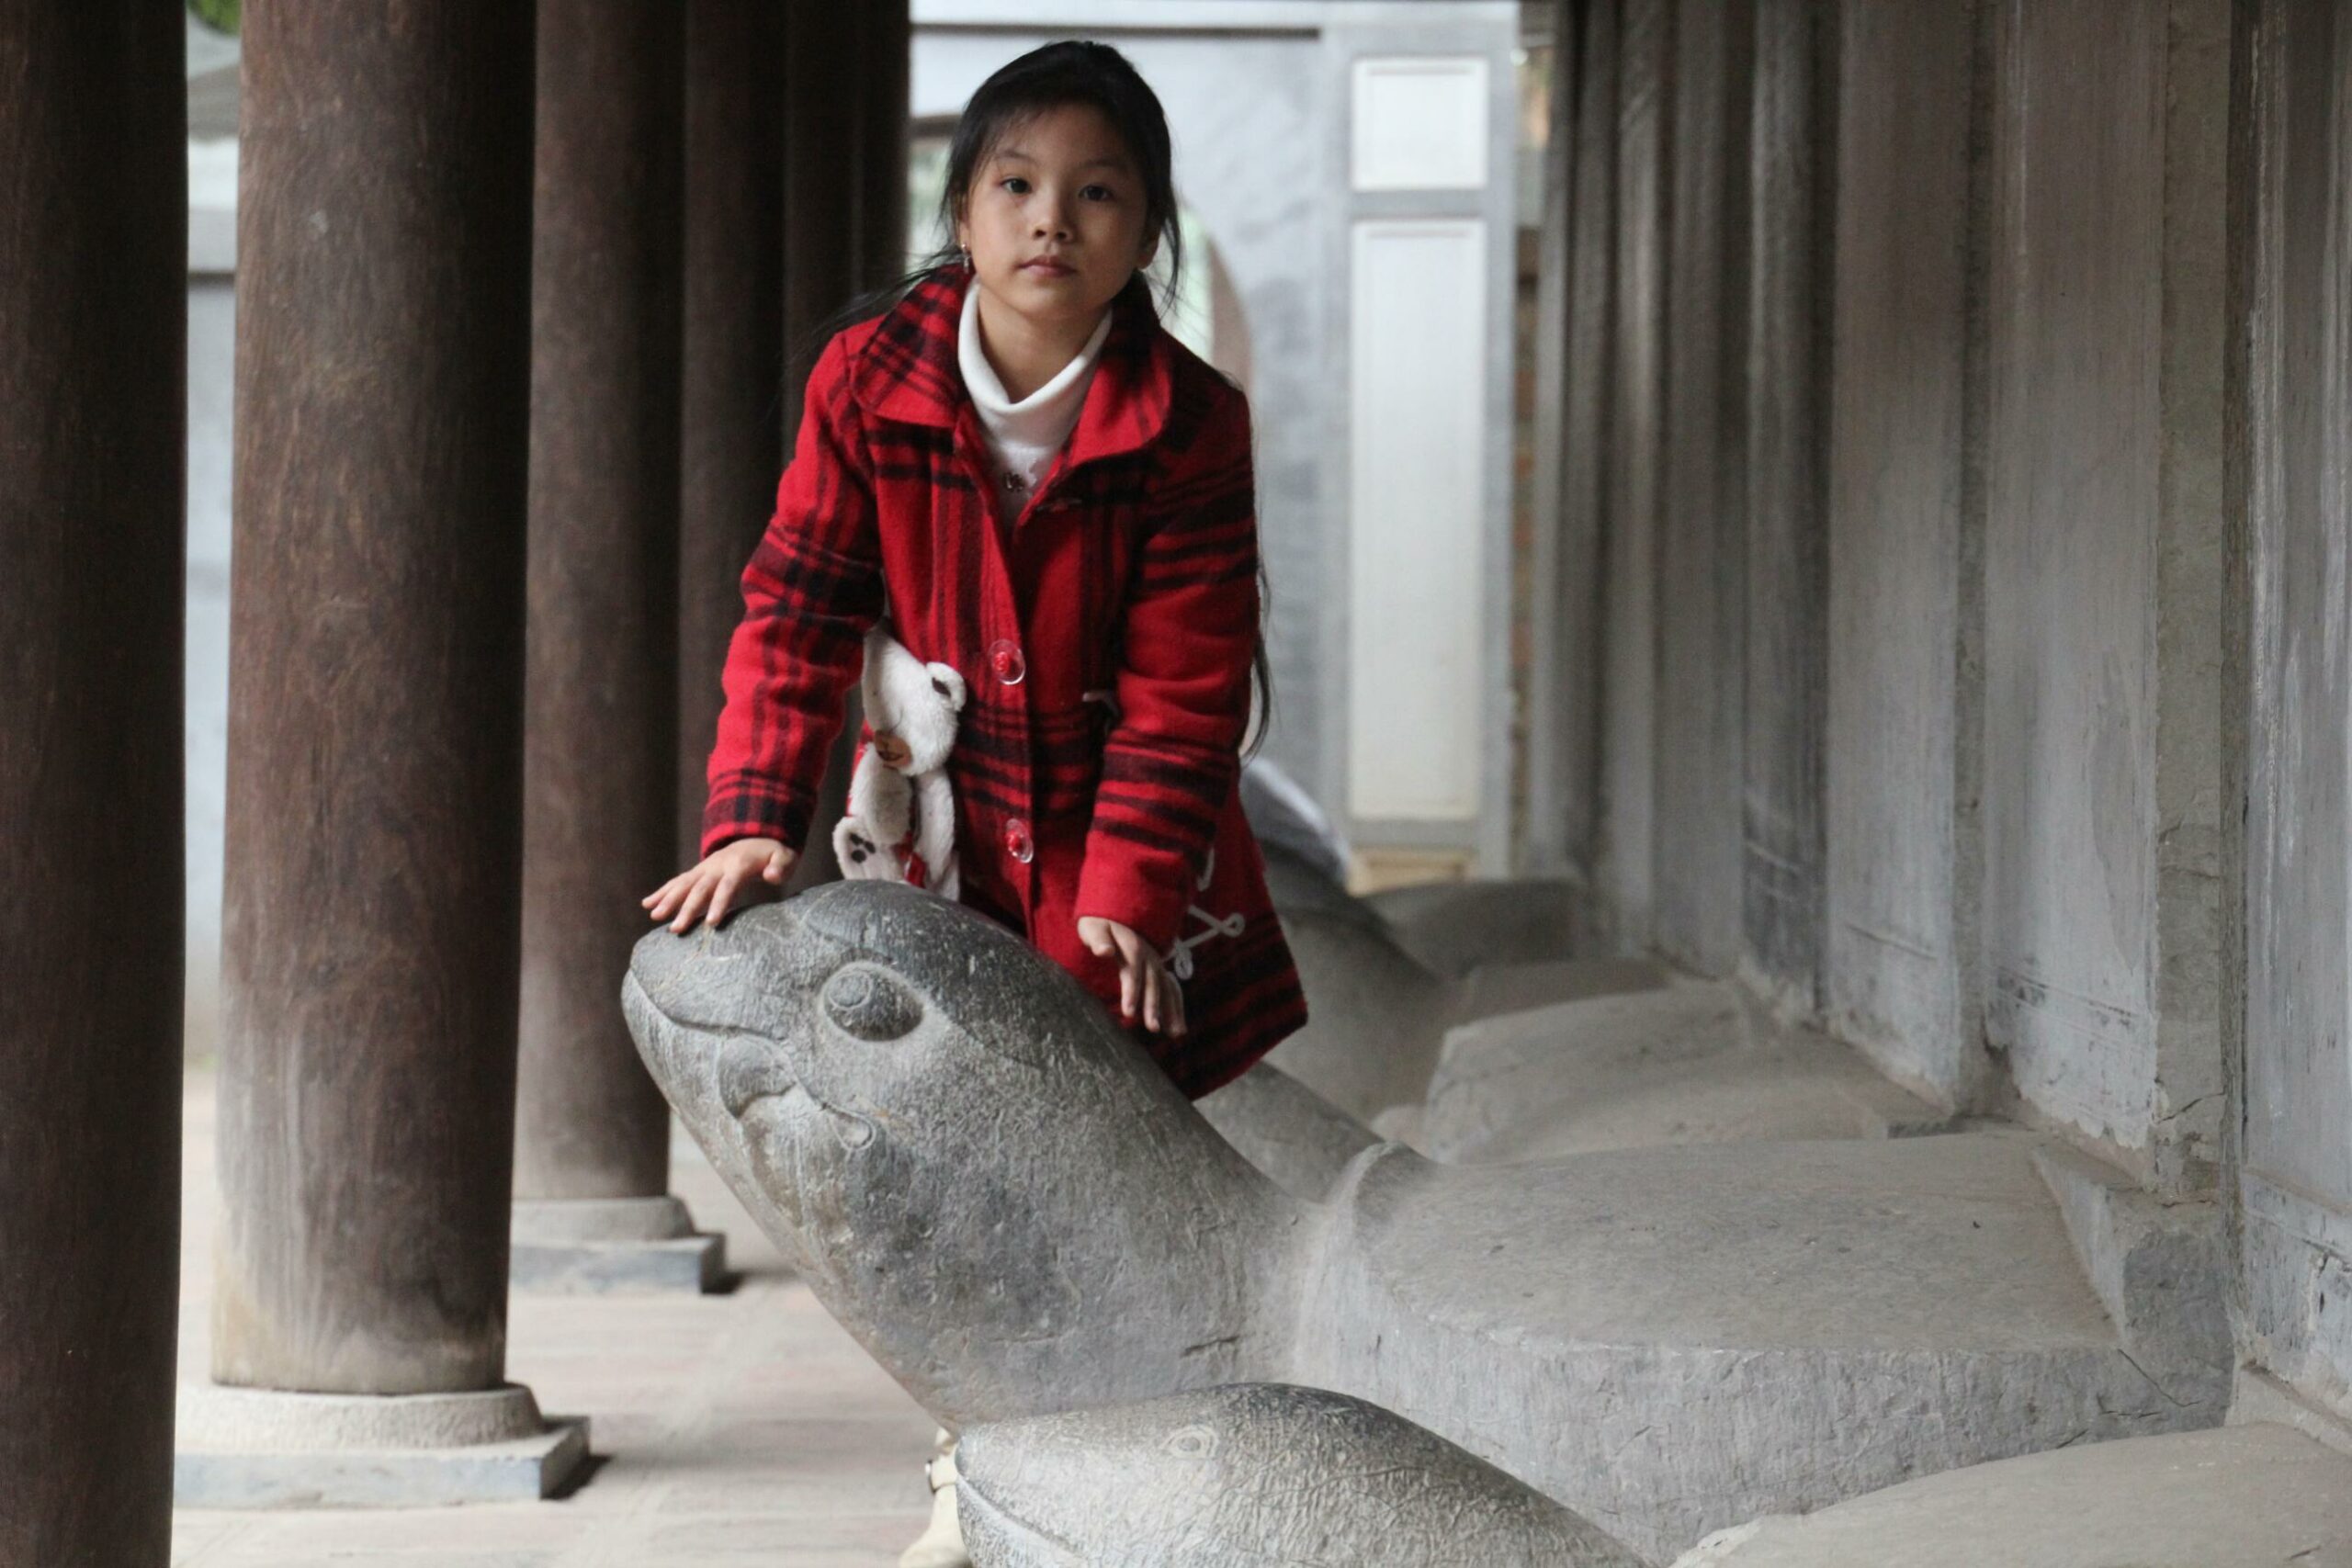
(1005, 661)
(1016, 841)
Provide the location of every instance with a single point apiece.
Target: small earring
(965, 256)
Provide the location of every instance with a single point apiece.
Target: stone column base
(254, 1447)
(612, 1246)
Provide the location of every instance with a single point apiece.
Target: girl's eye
(1011, 181)
(1106, 193)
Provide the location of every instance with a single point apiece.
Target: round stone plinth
(217, 1416)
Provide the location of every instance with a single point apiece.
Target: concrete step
(1670, 1341)
(1698, 1062)
(2254, 1497)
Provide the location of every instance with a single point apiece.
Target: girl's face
(1054, 217)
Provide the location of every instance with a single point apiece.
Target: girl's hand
(1140, 970)
(739, 871)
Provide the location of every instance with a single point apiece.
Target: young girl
(1039, 486)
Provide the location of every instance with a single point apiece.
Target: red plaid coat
(1131, 568)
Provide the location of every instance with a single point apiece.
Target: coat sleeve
(812, 589)
(1190, 629)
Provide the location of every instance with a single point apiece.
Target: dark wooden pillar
(600, 802)
(374, 850)
(733, 354)
(886, 56)
(92, 409)
(846, 76)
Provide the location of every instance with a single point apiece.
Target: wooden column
(599, 814)
(376, 696)
(845, 158)
(886, 59)
(733, 447)
(93, 372)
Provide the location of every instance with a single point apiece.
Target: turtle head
(980, 1175)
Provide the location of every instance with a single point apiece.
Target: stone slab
(612, 1245)
(2257, 1496)
(691, 1264)
(1696, 1063)
(267, 1449)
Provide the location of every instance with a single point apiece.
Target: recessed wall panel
(1420, 123)
(1416, 437)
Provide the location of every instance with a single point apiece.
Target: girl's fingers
(778, 863)
(720, 899)
(1151, 997)
(695, 895)
(1175, 1004)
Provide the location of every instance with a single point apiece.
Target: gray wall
(1634, 461)
(1903, 589)
(2295, 314)
(2102, 568)
(1785, 666)
(1704, 521)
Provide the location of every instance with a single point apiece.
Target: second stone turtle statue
(1252, 1475)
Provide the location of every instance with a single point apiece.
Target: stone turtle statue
(1252, 1475)
(996, 1191)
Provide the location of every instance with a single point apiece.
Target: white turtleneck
(1024, 436)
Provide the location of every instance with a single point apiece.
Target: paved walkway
(731, 1429)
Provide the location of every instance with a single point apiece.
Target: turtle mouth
(980, 1514)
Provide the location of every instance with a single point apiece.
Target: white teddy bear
(901, 812)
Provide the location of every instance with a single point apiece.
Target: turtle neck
(1022, 437)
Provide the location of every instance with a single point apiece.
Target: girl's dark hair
(1073, 71)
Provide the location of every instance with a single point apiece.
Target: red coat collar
(906, 369)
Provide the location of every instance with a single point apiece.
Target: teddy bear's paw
(862, 859)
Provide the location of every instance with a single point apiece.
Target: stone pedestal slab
(248, 1447)
(612, 1245)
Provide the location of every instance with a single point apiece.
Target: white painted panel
(1420, 123)
(1417, 403)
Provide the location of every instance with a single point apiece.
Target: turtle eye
(870, 1004)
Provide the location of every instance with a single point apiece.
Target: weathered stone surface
(1286, 1130)
(1697, 1063)
(1377, 1017)
(1253, 1472)
(2295, 315)
(2262, 1497)
(995, 1191)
